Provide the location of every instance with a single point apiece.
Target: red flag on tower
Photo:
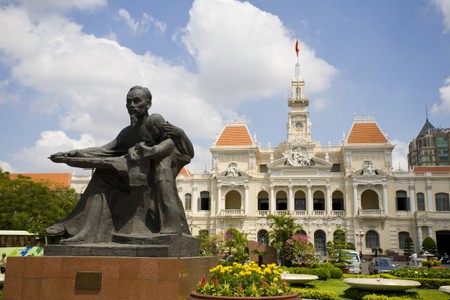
(296, 47)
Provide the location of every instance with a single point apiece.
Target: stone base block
(132, 246)
(65, 277)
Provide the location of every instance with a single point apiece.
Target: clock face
(299, 125)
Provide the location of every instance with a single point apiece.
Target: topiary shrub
(429, 245)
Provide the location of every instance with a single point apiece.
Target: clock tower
(299, 126)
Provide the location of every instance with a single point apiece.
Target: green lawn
(338, 286)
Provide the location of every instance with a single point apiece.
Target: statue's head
(139, 100)
(142, 92)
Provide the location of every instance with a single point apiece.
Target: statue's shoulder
(155, 120)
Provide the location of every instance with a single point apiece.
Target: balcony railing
(232, 212)
(300, 212)
(263, 212)
(371, 212)
(338, 213)
(319, 212)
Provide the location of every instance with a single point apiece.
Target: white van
(354, 264)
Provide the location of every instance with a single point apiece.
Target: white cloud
(6, 167)
(50, 142)
(242, 52)
(444, 7)
(142, 26)
(43, 6)
(399, 155)
(444, 107)
(319, 104)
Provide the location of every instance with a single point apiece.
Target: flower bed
(238, 280)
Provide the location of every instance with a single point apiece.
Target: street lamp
(360, 234)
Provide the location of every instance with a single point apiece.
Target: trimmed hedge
(323, 271)
(353, 293)
(314, 293)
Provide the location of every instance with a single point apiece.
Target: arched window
(263, 237)
(402, 235)
(300, 200)
(233, 200)
(420, 202)
(372, 239)
(281, 200)
(263, 200)
(402, 201)
(318, 201)
(320, 242)
(369, 200)
(188, 201)
(442, 202)
(337, 199)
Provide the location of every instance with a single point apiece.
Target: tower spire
(297, 65)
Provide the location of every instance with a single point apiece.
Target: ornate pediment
(233, 171)
(368, 170)
(313, 163)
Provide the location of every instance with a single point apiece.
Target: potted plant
(243, 281)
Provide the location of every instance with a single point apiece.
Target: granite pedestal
(99, 277)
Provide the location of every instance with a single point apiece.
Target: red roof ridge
(234, 135)
(366, 131)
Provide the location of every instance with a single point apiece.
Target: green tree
(236, 244)
(335, 248)
(32, 206)
(211, 244)
(282, 228)
(430, 246)
(409, 247)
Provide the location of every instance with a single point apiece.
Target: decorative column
(194, 200)
(246, 199)
(219, 200)
(412, 198)
(355, 200)
(419, 237)
(429, 197)
(310, 200)
(272, 200)
(290, 199)
(328, 200)
(385, 199)
(430, 231)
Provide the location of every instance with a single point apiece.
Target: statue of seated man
(133, 189)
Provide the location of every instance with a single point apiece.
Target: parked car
(354, 262)
(382, 265)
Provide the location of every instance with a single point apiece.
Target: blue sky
(66, 66)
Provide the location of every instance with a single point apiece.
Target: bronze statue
(133, 190)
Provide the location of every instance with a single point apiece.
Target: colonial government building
(352, 186)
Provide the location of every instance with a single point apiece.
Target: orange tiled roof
(431, 169)
(234, 135)
(63, 179)
(366, 133)
(184, 171)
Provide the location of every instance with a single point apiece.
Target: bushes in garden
(323, 271)
(353, 293)
(428, 278)
(314, 293)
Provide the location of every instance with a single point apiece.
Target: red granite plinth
(55, 277)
